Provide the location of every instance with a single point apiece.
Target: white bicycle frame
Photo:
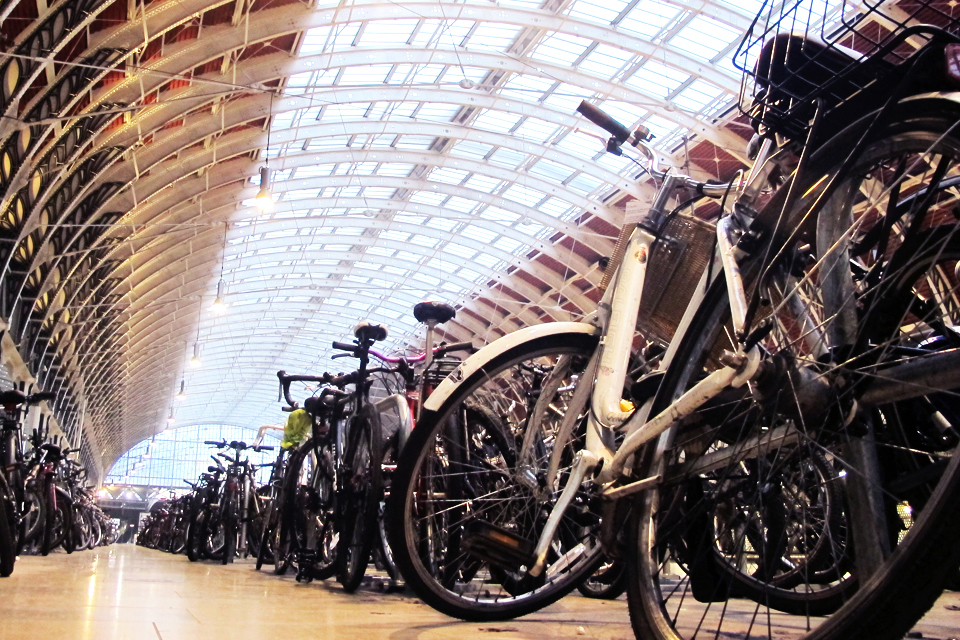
(616, 320)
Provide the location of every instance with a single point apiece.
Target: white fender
(497, 348)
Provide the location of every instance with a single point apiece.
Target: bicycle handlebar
(604, 121)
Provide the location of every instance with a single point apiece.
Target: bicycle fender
(497, 348)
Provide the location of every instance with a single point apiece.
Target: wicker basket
(673, 272)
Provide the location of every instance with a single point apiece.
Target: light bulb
(180, 396)
(264, 199)
(195, 360)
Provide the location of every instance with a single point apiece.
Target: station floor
(127, 592)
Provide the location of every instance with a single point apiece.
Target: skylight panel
(315, 39)
(523, 195)
(442, 34)
(417, 74)
(660, 127)
(493, 37)
(463, 205)
(415, 143)
(331, 142)
(580, 143)
(507, 158)
(395, 170)
(437, 111)
(473, 232)
(602, 11)
(299, 194)
(704, 38)
(657, 79)
(497, 214)
(410, 218)
(508, 244)
(496, 121)
(283, 121)
(443, 224)
(448, 176)
(605, 61)
(561, 48)
(387, 33)
(362, 168)
(407, 256)
(555, 207)
(584, 183)
(482, 183)
(536, 130)
(398, 236)
(379, 193)
(428, 197)
(424, 241)
(527, 87)
(697, 96)
(375, 74)
(648, 18)
(487, 260)
(344, 112)
(551, 170)
(345, 35)
(459, 250)
(468, 149)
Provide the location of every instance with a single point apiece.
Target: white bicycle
(788, 470)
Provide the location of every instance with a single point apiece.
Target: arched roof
(417, 150)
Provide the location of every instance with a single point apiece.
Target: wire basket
(673, 273)
(799, 51)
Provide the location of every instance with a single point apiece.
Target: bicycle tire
(230, 518)
(8, 542)
(895, 288)
(426, 537)
(363, 488)
(195, 535)
(48, 540)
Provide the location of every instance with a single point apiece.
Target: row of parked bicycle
(322, 511)
(44, 501)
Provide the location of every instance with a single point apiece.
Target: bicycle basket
(673, 273)
(800, 51)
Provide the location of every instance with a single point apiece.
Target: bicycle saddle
(438, 312)
(366, 331)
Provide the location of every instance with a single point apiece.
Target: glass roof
(431, 151)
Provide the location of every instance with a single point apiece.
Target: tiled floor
(125, 592)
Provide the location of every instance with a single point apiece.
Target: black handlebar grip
(604, 121)
(264, 448)
(287, 409)
(344, 346)
(457, 346)
(210, 442)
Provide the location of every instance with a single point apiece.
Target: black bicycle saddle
(439, 312)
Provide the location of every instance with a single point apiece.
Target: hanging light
(170, 418)
(180, 396)
(264, 199)
(195, 360)
(218, 305)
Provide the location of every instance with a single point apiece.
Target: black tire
(466, 452)
(50, 538)
(363, 489)
(231, 522)
(265, 546)
(8, 542)
(894, 286)
(195, 535)
(33, 520)
(608, 582)
(67, 535)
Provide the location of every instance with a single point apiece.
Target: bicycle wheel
(793, 508)
(230, 525)
(8, 543)
(196, 533)
(459, 476)
(32, 520)
(363, 488)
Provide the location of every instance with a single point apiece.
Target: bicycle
(806, 393)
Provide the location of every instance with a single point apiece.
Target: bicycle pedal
(498, 546)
